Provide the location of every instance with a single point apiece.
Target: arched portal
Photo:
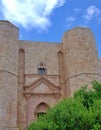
(41, 109)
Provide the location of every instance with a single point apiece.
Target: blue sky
(47, 20)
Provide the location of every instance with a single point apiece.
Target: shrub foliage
(80, 112)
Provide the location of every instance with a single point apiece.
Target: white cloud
(70, 19)
(91, 12)
(30, 13)
(77, 10)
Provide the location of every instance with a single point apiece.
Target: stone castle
(36, 75)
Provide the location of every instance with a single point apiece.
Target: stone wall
(37, 52)
(23, 91)
(99, 63)
(8, 30)
(80, 51)
(85, 79)
(9, 75)
(80, 57)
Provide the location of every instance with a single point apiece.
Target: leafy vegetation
(81, 112)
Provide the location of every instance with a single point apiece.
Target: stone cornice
(37, 75)
(28, 94)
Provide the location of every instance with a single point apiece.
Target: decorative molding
(29, 94)
(73, 76)
(39, 81)
(55, 89)
(38, 75)
(15, 74)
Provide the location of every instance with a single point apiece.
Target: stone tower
(8, 75)
(80, 55)
(34, 76)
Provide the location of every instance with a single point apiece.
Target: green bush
(81, 112)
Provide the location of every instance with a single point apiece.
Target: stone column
(28, 96)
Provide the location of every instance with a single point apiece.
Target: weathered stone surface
(5, 128)
(23, 91)
(99, 63)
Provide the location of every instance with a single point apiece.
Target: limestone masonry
(36, 75)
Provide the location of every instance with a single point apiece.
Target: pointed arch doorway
(41, 109)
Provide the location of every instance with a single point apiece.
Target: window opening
(41, 69)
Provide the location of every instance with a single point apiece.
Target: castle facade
(34, 76)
